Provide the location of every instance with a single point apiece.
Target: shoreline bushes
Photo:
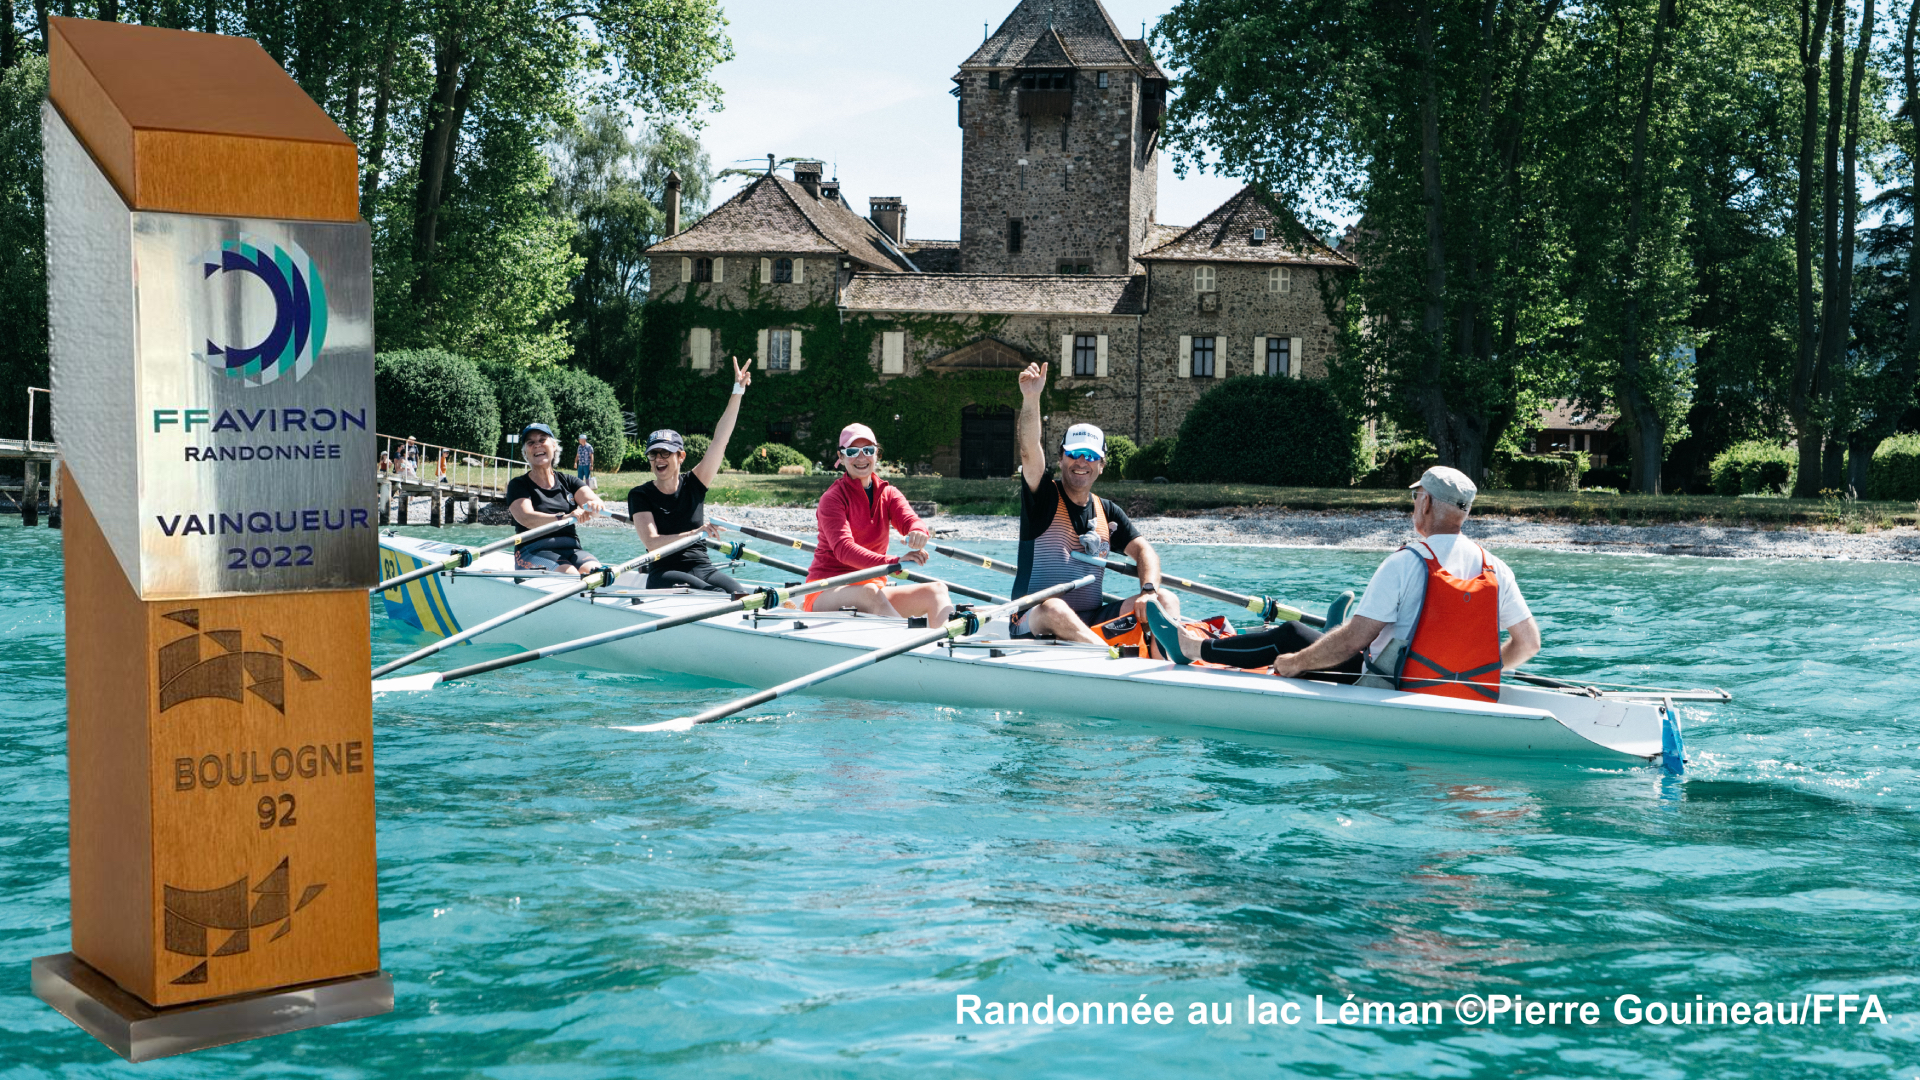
(1896, 469)
(1753, 468)
(437, 397)
(1258, 429)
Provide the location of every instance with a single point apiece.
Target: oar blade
(681, 723)
(402, 684)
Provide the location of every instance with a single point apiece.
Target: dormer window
(703, 269)
(1259, 236)
(783, 271)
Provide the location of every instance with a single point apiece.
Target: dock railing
(411, 462)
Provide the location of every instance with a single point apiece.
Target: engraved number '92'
(272, 813)
(262, 558)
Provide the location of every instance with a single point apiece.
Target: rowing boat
(764, 648)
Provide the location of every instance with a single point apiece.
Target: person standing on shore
(543, 494)
(853, 520)
(1443, 597)
(674, 504)
(583, 460)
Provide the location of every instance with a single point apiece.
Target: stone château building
(1060, 257)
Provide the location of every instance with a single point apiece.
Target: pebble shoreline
(1383, 530)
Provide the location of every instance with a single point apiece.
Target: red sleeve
(900, 512)
(836, 532)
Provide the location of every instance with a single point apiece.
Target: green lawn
(1000, 497)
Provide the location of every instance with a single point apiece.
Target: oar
(764, 598)
(985, 563)
(961, 625)
(463, 557)
(1269, 609)
(1622, 691)
(795, 542)
(598, 579)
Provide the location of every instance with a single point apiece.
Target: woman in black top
(542, 495)
(673, 504)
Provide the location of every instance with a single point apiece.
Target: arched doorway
(987, 446)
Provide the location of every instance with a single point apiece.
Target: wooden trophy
(211, 301)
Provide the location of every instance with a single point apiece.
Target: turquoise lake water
(808, 895)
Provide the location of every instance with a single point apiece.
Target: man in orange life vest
(1443, 596)
(1059, 516)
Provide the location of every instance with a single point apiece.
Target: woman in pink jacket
(853, 518)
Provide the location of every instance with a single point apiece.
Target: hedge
(1402, 464)
(1120, 450)
(1257, 429)
(584, 403)
(1150, 461)
(436, 397)
(523, 400)
(769, 457)
(1896, 469)
(1753, 468)
(1551, 472)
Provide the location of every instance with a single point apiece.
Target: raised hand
(742, 372)
(1033, 380)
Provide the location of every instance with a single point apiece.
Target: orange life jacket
(1130, 629)
(1455, 651)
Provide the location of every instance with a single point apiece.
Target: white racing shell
(759, 652)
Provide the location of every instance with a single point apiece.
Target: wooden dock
(38, 474)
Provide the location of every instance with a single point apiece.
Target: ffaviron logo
(299, 329)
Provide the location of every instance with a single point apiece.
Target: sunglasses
(859, 451)
(1083, 455)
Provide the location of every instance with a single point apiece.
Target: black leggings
(1261, 648)
(704, 576)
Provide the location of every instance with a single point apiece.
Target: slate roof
(1006, 294)
(934, 256)
(1078, 30)
(776, 214)
(1564, 415)
(1226, 235)
(1158, 234)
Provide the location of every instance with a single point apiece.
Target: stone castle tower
(1060, 149)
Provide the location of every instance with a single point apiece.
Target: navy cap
(665, 439)
(539, 427)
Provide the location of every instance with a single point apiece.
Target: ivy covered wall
(838, 383)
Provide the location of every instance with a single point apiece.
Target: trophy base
(139, 1032)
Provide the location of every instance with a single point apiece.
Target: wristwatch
(1148, 586)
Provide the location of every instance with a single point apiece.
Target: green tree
(23, 252)
(1423, 119)
(612, 184)
(587, 405)
(437, 397)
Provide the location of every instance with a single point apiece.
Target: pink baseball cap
(855, 432)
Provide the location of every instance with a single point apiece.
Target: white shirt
(1395, 593)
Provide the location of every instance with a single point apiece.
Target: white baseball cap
(1085, 437)
(1448, 485)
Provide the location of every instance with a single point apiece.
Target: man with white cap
(1431, 596)
(1059, 516)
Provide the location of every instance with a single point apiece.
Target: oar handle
(985, 563)
(463, 557)
(1269, 609)
(951, 629)
(795, 542)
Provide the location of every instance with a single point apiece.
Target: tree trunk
(1801, 405)
(109, 11)
(453, 89)
(40, 19)
(1894, 401)
(1646, 428)
(210, 16)
(1860, 448)
(1432, 399)
(382, 99)
(9, 38)
(1833, 474)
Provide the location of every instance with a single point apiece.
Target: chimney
(770, 165)
(830, 190)
(889, 215)
(673, 203)
(807, 175)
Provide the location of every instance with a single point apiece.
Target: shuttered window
(1203, 357)
(1086, 355)
(1203, 279)
(703, 269)
(1280, 279)
(700, 347)
(893, 352)
(779, 350)
(783, 271)
(1279, 362)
